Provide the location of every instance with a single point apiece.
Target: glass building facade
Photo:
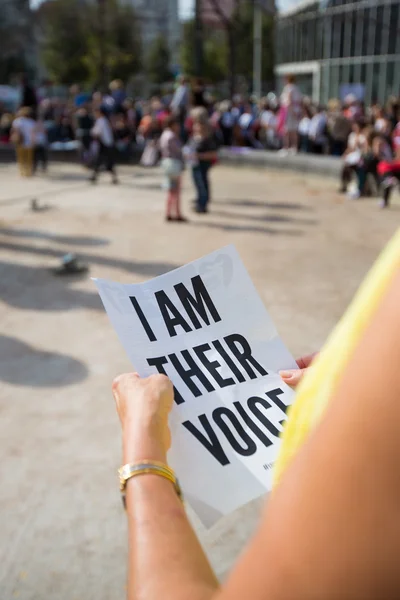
(335, 45)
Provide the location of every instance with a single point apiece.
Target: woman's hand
(143, 406)
(294, 376)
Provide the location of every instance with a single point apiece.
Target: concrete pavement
(63, 533)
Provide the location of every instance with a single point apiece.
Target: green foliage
(214, 50)
(65, 41)
(216, 47)
(244, 29)
(15, 39)
(78, 48)
(158, 61)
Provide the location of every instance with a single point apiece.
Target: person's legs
(345, 178)
(20, 159)
(109, 153)
(204, 169)
(293, 140)
(36, 158)
(361, 173)
(202, 194)
(100, 158)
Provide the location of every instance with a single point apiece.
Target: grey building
(332, 45)
(159, 17)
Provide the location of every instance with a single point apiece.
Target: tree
(158, 61)
(64, 40)
(229, 23)
(214, 54)
(244, 20)
(16, 40)
(86, 42)
(239, 34)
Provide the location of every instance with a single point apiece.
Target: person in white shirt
(22, 135)
(103, 133)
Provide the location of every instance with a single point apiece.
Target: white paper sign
(205, 326)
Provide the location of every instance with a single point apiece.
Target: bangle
(146, 467)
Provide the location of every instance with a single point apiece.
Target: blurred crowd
(363, 135)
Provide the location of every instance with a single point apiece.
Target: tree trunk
(230, 34)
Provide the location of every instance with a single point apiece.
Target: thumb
(292, 377)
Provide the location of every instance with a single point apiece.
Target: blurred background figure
(22, 136)
(103, 134)
(172, 165)
(203, 154)
(291, 99)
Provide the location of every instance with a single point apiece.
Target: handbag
(150, 154)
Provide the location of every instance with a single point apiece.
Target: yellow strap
(320, 383)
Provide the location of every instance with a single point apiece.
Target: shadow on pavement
(148, 269)
(84, 176)
(266, 217)
(247, 228)
(21, 364)
(265, 204)
(54, 237)
(36, 288)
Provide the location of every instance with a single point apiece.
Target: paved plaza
(63, 531)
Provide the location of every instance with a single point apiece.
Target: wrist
(144, 444)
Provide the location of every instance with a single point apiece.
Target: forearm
(165, 558)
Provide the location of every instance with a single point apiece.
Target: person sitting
(339, 129)
(356, 144)
(304, 130)
(376, 150)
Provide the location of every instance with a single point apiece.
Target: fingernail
(288, 375)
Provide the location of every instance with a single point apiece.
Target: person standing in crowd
(317, 131)
(180, 103)
(84, 123)
(304, 130)
(291, 103)
(226, 122)
(103, 133)
(28, 95)
(198, 94)
(172, 164)
(203, 154)
(339, 128)
(40, 153)
(22, 135)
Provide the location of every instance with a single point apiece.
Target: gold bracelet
(146, 467)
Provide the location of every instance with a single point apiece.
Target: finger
(293, 376)
(305, 361)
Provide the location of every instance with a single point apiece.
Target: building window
(379, 33)
(393, 28)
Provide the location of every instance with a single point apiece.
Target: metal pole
(257, 50)
(198, 25)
